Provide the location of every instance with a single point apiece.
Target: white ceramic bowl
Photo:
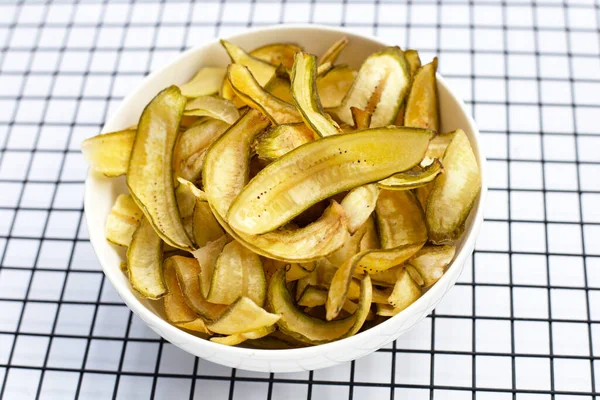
(100, 194)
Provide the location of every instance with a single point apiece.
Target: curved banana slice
(321, 169)
(150, 173)
(304, 91)
(307, 329)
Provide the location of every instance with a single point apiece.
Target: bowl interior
(101, 192)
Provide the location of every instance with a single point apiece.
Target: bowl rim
(173, 332)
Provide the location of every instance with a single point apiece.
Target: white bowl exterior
(101, 192)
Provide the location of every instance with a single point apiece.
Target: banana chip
(186, 203)
(205, 226)
(207, 81)
(331, 55)
(414, 178)
(387, 72)
(307, 329)
(386, 278)
(313, 297)
(359, 204)
(281, 140)
(351, 247)
(400, 219)
(422, 106)
(123, 220)
(144, 262)
(214, 107)
(277, 53)
(250, 91)
(437, 148)
(188, 270)
(226, 166)
(242, 316)
(414, 63)
(361, 118)
(176, 309)
(333, 85)
(280, 86)
(109, 153)
(431, 262)
(321, 169)
(261, 70)
(191, 146)
(454, 192)
(207, 258)
(238, 272)
(372, 261)
(150, 173)
(381, 296)
(304, 91)
(294, 272)
(238, 338)
(316, 240)
(406, 291)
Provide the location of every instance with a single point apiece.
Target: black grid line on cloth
(541, 122)
(516, 3)
(473, 295)
(578, 162)
(512, 325)
(475, 280)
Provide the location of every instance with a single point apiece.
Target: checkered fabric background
(522, 323)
